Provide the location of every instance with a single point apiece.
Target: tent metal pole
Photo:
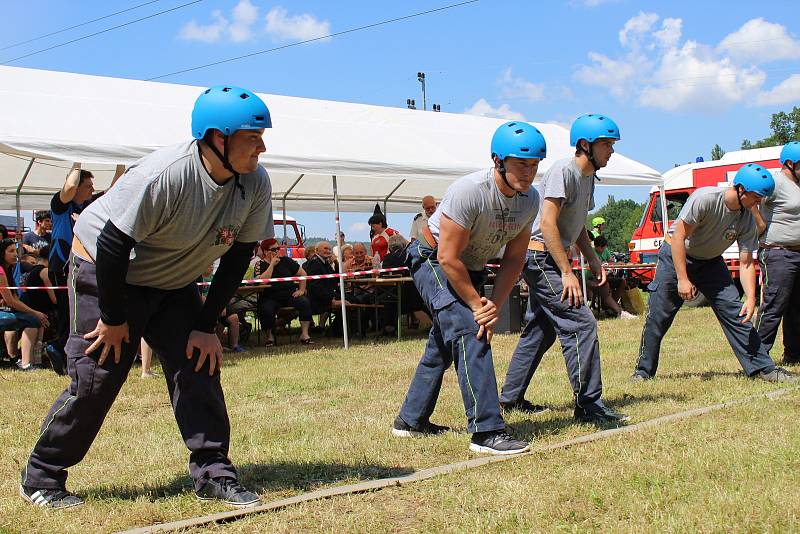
(386, 198)
(286, 194)
(583, 275)
(664, 213)
(341, 266)
(18, 236)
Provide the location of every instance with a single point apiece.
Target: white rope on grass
(426, 474)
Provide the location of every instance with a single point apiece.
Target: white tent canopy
(377, 153)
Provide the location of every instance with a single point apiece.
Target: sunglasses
(276, 249)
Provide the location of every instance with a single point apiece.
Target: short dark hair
(600, 241)
(378, 219)
(42, 215)
(85, 175)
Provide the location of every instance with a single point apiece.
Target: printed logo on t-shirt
(730, 233)
(226, 235)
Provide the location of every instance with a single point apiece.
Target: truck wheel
(697, 302)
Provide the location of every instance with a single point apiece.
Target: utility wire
(78, 25)
(102, 31)
(336, 34)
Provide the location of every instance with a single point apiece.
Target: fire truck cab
(291, 237)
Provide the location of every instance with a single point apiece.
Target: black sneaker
(58, 360)
(524, 406)
(640, 376)
(600, 416)
(229, 491)
(50, 498)
(401, 429)
(790, 359)
(497, 442)
(778, 374)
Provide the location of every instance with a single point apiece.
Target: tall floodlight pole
(421, 78)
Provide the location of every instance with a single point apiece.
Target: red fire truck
(679, 183)
(291, 236)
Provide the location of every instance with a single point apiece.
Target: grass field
(305, 419)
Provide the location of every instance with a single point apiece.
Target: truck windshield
(675, 202)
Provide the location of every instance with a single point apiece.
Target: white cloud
(284, 27)
(670, 32)
(689, 79)
(657, 70)
(759, 41)
(519, 87)
(209, 33)
(245, 15)
(786, 92)
(358, 227)
(485, 109)
(635, 27)
(614, 75)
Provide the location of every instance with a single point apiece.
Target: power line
(102, 31)
(330, 35)
(78, 25)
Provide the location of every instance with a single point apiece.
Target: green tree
(785, 127)
(717, 153)
(622, 217)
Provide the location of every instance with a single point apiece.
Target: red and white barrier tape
(625, 266)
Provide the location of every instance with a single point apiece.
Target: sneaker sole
(474, 447)
(606, 422)
(396, 432)
(47, 505)
(229, 503)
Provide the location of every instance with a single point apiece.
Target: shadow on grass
(704, 375)
(273, 477)
(533, 428)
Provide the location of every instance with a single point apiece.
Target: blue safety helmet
(227, 108)
(754, 178)
(518, 139)
(791, 152)
(593, 127)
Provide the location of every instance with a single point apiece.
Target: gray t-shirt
(565, 181)
(715, 226)
(475, 203)
(782, 213)
(179, 217)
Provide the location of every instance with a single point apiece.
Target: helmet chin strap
(792, 170)
(225, 163)
(589, 154)
(739, 196)
(501, 168)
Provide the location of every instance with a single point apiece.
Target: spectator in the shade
(65, 206)
(421, 219)
(309, 252)
(380, 236)
(21, 316)
(324, 294)
(39, 237)
(281, 294)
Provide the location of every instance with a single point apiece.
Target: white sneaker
(627, 316)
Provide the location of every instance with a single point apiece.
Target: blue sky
(677, 77)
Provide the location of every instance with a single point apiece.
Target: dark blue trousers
(712, 279)
(452, 340)
(552, 318)
(165, 319)
(781, 301)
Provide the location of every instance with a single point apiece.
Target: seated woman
(281, 294)
(17, 315)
